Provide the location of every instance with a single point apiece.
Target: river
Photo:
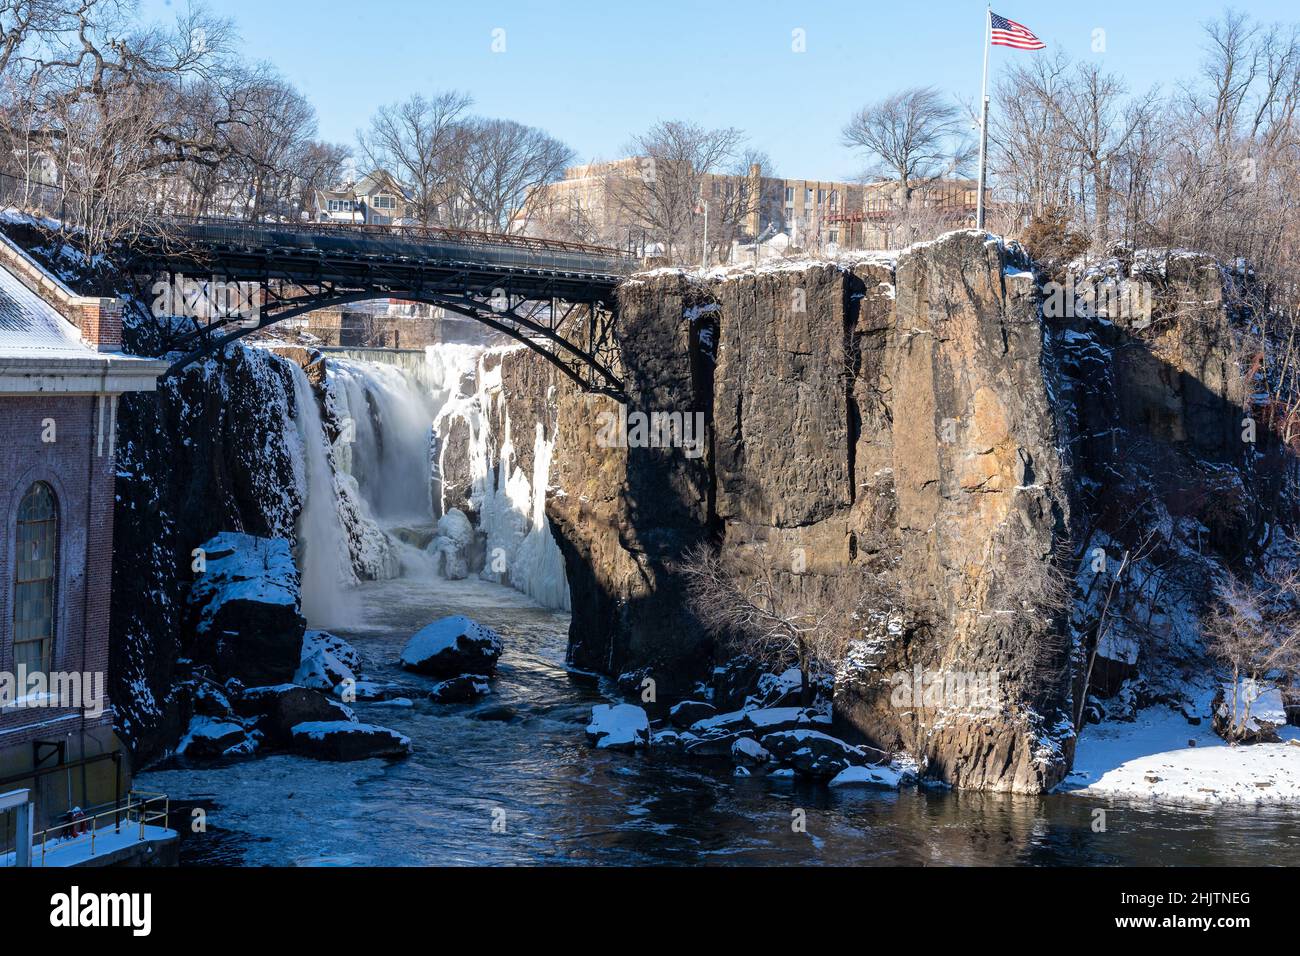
(520, 756)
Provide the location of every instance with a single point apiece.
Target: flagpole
(984, 121)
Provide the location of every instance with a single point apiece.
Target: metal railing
(30, 196)
(140, 809)
(459, 245)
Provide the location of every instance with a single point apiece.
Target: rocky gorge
(920, 413)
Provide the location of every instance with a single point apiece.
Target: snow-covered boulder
(326, 661)
(452, 645)
(245, 604)
(880, 775)
(347, 740)
(814, 753)
(780, 690)
(281, 707)
(459, 689)
(749, 752)
(673, 740)
(688, 712)
(618, 727)
(209, 738)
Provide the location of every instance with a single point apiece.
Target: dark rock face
(339, 740)
(245, 608)
(905, 409)
(279, 708)
(199, 456)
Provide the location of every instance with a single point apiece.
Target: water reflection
(522, 751)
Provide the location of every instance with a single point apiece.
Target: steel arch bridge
(557, 298)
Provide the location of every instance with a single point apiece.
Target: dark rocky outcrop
(207, 452)
(926, 410)
(346, 740)
(451, 646)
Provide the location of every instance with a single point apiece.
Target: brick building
(591, 201)
(61, 373)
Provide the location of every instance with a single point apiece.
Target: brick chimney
(100, 322)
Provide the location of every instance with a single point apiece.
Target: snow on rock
(1161, 757)
(749, 751)
(326, 661)
(880, 775)
(280, 708)
(459, 690)
(211, 737)
(813, 753)
(452, 645)
(688, 712)
(246, 602)
(347, 740)
(618, 727)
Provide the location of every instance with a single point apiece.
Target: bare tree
(748, 607)
(420, 142)
(1242, 635)
(500, 166)
(664, 195)
(913, 137)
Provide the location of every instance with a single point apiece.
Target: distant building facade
(592, 200)
(375, 199)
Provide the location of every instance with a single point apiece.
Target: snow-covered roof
(41, 351)
(31, 326)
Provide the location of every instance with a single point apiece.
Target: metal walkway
(555, 297)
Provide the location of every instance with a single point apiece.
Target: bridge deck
(400, 257)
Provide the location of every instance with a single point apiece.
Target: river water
(520, 756)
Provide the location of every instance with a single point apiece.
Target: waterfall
(388, 414)
(371, 501)
(323, 554)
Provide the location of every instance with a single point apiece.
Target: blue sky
(592, 72)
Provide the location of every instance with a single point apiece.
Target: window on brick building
(35, 572)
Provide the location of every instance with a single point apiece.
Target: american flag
(1009, 33)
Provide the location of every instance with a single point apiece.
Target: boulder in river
(450, 646)
(209, 738)
(618, 727)
(281, 707)
(246, 605)
(326, 661)
(814, 753)
(348, 740)
(460, 689)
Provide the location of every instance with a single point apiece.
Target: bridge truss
(556, 298)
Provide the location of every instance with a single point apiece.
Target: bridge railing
(515, 249)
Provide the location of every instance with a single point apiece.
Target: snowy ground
(1153, 759)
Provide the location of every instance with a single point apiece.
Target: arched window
(36, 568)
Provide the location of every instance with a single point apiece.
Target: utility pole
(984, 122)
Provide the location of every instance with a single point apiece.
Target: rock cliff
(927, 410)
